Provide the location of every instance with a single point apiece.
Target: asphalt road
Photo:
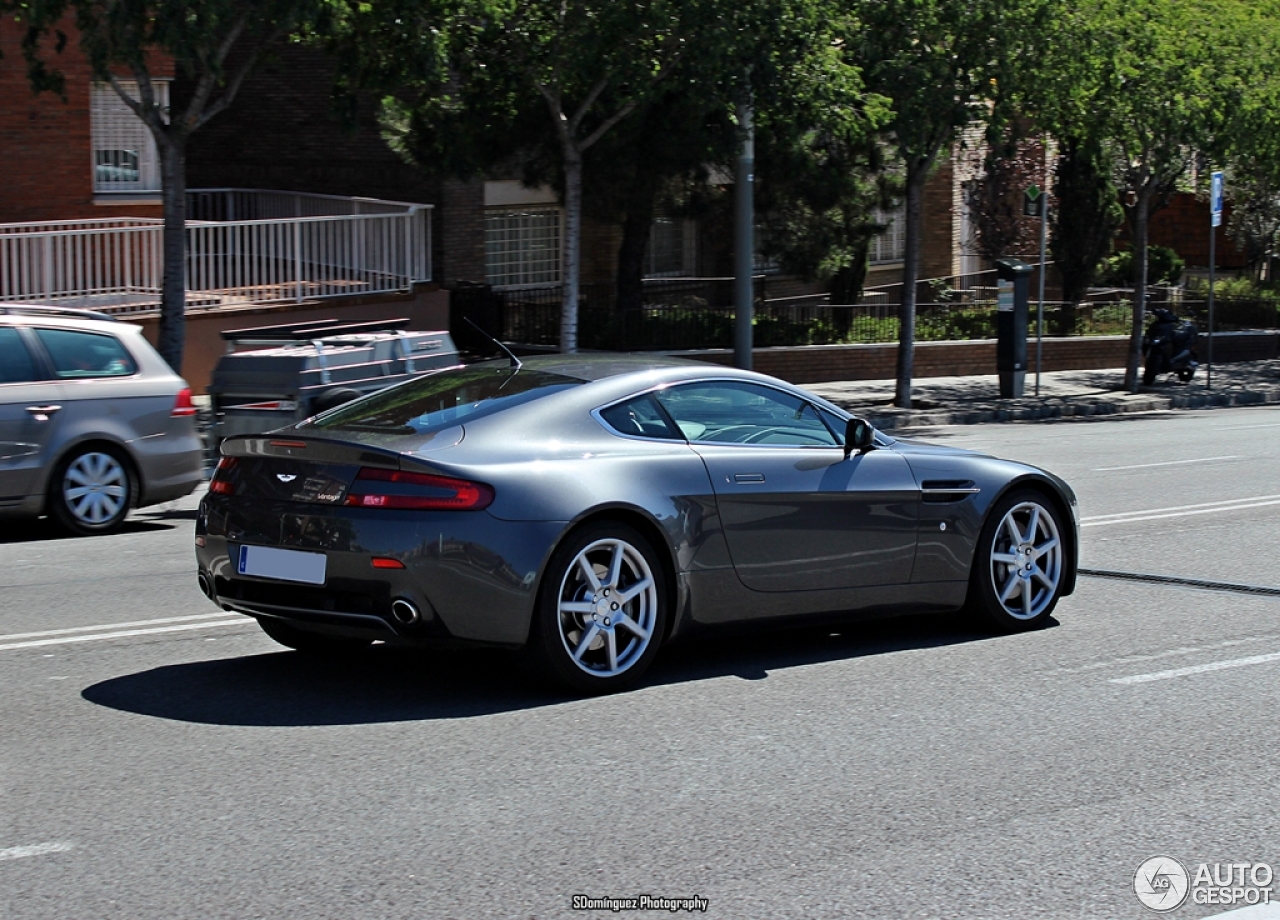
(159, 759)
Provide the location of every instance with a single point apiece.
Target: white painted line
(1197, 669)
(35, 849)
(1218, 504)
(1255, 912)
(123, 634)
(1155, 514)
(1143, 466)
(71, 630)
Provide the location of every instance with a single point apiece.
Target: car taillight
(376, 488)
(219, 485)
(182, 405)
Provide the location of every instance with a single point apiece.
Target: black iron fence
(691, 314)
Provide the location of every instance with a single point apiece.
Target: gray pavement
(1063, 394)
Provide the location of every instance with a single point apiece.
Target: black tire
(311, 643)
(92, 490)
(332, 399)
(606, 643)
(1015, 585)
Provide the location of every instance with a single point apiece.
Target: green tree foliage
(943, 66)
(1087, 219)
(119, 38)
(1159, 83)
(638, 91)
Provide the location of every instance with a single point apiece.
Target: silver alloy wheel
(95, 488)
(1026, 561)
(607, 607)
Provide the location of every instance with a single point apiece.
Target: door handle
(748, 477)
(42, 413)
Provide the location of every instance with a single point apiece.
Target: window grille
(522, 246)
(890, 246)
(672, 248)
(124, 153)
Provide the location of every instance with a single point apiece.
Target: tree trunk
(572, 247)
(173, 290)
(1141, 229)
(917, 171)
(635, 241)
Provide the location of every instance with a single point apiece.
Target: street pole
(1215, 221)
(743, 245)
(1044, 220)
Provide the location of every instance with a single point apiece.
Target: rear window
(86, 354)
(437, 401)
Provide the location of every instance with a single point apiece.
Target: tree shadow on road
(387, 684)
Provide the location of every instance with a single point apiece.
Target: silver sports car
(592, 508)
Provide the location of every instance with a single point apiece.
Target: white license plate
(284, 564)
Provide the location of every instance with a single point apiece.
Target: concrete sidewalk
(1063, 394)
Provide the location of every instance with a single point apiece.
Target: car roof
(65, 317)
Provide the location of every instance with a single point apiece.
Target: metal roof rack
(309, 331)
(38, 309)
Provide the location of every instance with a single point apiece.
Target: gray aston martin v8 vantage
(592, 508)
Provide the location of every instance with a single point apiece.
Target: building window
(890, 245)
(672, 248)
(522, 246)
(124, 153)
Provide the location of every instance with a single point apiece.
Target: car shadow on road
(387, 684)
(45, 529)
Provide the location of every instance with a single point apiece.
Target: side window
(641, 418)
(745, 413)
(85, 354)
(16, 364)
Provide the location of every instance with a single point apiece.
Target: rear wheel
(602, 609)
(1020, 564)
(310, 642)
(91, 491)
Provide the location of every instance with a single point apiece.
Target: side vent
(945, 491)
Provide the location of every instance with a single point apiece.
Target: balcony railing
(281, 246)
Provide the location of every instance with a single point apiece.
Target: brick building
(82, 157)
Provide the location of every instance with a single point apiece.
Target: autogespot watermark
(1162, 883)
(640, 902)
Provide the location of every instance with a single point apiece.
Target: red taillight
(376, 488)
(385, 562)
(218, 484)
(182, 404)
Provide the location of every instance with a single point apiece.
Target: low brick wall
(820, 363)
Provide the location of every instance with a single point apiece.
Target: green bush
(1164, 266)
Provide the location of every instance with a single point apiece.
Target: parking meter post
(1013, 280)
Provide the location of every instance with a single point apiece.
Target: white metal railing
(116, 265)
(226, 204)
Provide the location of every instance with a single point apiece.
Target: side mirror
(859, 436)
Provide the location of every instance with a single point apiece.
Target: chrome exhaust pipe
(206, 588)
(405, 611)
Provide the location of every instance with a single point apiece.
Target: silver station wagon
(93, 422)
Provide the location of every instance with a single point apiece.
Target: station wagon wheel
(1020, 562)
(91, 491)
(602, 609)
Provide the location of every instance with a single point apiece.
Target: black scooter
(1169, 347)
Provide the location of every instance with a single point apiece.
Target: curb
(889, 419)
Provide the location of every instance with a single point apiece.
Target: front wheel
(1020, 563)
(602, 609)
(91, 491)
